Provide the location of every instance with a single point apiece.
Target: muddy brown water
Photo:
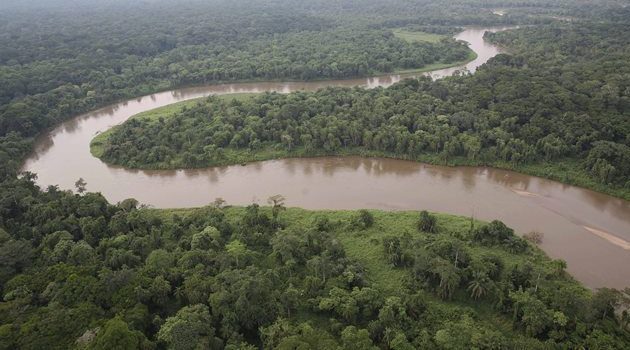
(591, 231)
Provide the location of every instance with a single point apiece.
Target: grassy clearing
(435, 66)
(97, 143)
(174, 108)
(413, 37)
(366, 247)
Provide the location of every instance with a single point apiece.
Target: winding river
(589, 230)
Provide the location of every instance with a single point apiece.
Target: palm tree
(277, 205)
(80, 185)
(480, 285)
(449, 278)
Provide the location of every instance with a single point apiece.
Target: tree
(218, 203)
(115, 334)
(15, 255)
(356, 339)
(81, 254)
(319, 266)
(342, 303)
(283, 335)
(205, 239)
(237, 250)
(80, 185)
(287, 141)
(393, 314)
(466, 333)
(364, 219)
(531, 312)
(609, 162)
(159, 291)
(480, 285)
(245, 299)
(159, 262)
(472, 146)
(604, 302)
(128, 204)
(191, 328)
(400, 342)
(493, 233)
(277, 205)
(427, 222)
(449, 277)
(290, 299)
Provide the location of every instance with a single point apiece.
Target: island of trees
(552, 107)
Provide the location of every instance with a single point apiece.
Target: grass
(98, 142)
(366, 247)
(435, 66)
(174, 108)
(414, 37)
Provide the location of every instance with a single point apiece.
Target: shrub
(427, 222)
(363, 220)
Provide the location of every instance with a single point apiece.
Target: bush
(427, 222)
(322, 223)
(494, 232)
(363, 220)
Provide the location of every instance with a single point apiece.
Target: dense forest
(555, 98)
(79, 272)
(49, 73)
(59, 59)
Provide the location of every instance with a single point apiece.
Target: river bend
(589, 230)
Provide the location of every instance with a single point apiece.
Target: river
(589, 230)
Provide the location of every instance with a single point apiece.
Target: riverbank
(366, 245)
(436, 66)
(559, 211)
(568, 170)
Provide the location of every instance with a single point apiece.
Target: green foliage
(363, 220)
(190, 328)
(496, 233)
(237, 250)
(412, 36)
(511, 113)
(609, 162)
(241, 278)
(116, 334)
(284, 335)
(15, 255)
(180, 291)
(427, 222)
(356, 339)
